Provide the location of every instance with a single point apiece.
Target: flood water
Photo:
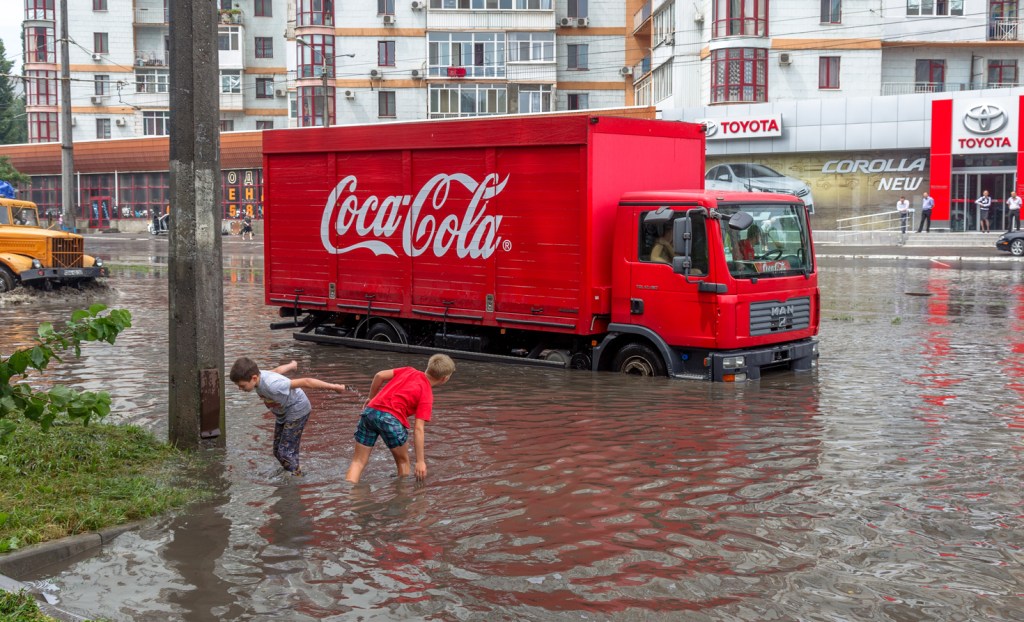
(883, 485)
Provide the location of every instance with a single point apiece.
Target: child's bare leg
(360, 457)
(401, 456)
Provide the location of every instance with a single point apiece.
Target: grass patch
(78, 478)
(21, 607)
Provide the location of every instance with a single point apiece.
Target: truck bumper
(739, 365)
(62, 274)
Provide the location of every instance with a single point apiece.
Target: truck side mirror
(682, 238)
(740, 221)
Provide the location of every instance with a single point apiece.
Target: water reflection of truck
(32, 255)
(526, 240)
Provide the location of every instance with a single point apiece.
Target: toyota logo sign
(710, 127)
(985, 119)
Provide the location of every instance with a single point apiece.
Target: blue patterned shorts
(374, 423)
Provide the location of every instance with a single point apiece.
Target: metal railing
(151, 16)
(907, 88)
(882, 221)
(1004, 29)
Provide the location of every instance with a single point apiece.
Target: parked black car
(1011, 242)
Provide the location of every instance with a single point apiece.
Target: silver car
(750, 177)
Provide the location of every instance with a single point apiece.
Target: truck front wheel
(6, 280)
(640, 360)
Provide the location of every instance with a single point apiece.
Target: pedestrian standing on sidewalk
(927, 203)
(1013, 204)
(903, 207)
(984, 202)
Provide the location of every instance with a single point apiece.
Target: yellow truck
(33, 255)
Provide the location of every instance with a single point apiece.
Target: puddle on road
(885, 485)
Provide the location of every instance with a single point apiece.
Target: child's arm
(378, 381)
(313, 383)
(418, 432)
(287, 367)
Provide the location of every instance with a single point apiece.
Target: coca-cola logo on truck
(424, 226)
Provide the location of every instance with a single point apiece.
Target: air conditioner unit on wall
(389, 19)
(565, 22)
(280, 92)
(582, 22)
(97, 57)
(375, 74)
(416, 74)
(626, 71)
(785, 58)
(96, 100)
(350, 95)
(417, 5)
(119, 122)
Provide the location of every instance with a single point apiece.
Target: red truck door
(666, 302)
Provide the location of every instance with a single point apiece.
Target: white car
(750, 177)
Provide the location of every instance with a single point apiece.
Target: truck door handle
(636, 306)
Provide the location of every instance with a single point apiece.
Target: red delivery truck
(561, 240)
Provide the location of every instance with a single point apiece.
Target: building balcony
(1001, 85)
(642, 19)
(532, 72)
(642, 68)
(151, 17)
(232, 102)
(150, 59)
(1004, 29)
(231, 16)
(907, 88)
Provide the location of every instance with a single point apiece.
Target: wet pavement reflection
(884, 485)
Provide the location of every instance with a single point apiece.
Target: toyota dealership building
(858, 156)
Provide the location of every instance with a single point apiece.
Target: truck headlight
(36, 264)
(733, 362)
(98, 262)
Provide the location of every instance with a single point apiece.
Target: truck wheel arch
(622, 335)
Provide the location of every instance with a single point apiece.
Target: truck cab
(33, 255)
(739, 290)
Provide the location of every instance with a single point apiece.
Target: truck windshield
(776, 244)
(25, 216)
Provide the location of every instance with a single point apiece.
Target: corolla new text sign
(425, 227)
(765, 126)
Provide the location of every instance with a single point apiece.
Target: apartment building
(119, 67)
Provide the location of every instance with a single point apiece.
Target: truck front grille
(67, 252)
(772, 316)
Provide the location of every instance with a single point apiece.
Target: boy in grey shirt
(286, 399)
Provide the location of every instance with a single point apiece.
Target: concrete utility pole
(67, 147)
(195, 287)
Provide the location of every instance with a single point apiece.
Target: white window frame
(156, 122)
(536, 47)
(152, 80)
(230, 81)
(460, 49)
(446, 100)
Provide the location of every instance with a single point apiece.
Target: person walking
(984, 202)
(927, 203)
(903, 207)
(1013, 205)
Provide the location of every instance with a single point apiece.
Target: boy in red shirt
(408, 392)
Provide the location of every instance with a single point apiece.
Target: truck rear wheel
(639, 360)
(6, 280)
(384, 331)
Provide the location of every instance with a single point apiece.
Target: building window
(385, 7)
(739, 75)
(41, 88)
(577, 8)
(39, 10)
(577, 56)
(665, 25)
(231, 81)
(143, 194)
(385, 53)
(264, 47)
(263, 8)
(934, 7)
(1002, 73)
(386, 104)
(475, 54)
(264, 88)
(535, 47)
(741, 18)
(579, 101)
(311, 108)
(264, 125)
(490, 5)
(156, 122)
(103, 129)
(929, 76)
(151, 80)
(39, 45)
(42, 127)
(315, 55)
(101, 85)
(99, 43)
(828, 72)
(227, 125)
(467, 100)
(832, 11)
(314, 13)
(534, 98)
(229, 39)
(99, 5)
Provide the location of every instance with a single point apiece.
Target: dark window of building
(579, 101)
(739, 75)
(99, 5)
(264, 88)
(832, 11)
(264, 47)
(828, 72)
(577, 56)
(578, 8)
(99, 43)
(929, 75)
(263, 8)
(740, 18)
(103, 129)
(386, 53)
(1002, 73)
(264, 125)
(386, 104)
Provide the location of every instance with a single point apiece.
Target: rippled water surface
(884, 485)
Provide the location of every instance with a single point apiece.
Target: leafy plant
(43, 407)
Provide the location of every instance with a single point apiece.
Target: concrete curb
(35, 558)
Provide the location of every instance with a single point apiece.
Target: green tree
(20, 399)
(13, 125)
(10, 174)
